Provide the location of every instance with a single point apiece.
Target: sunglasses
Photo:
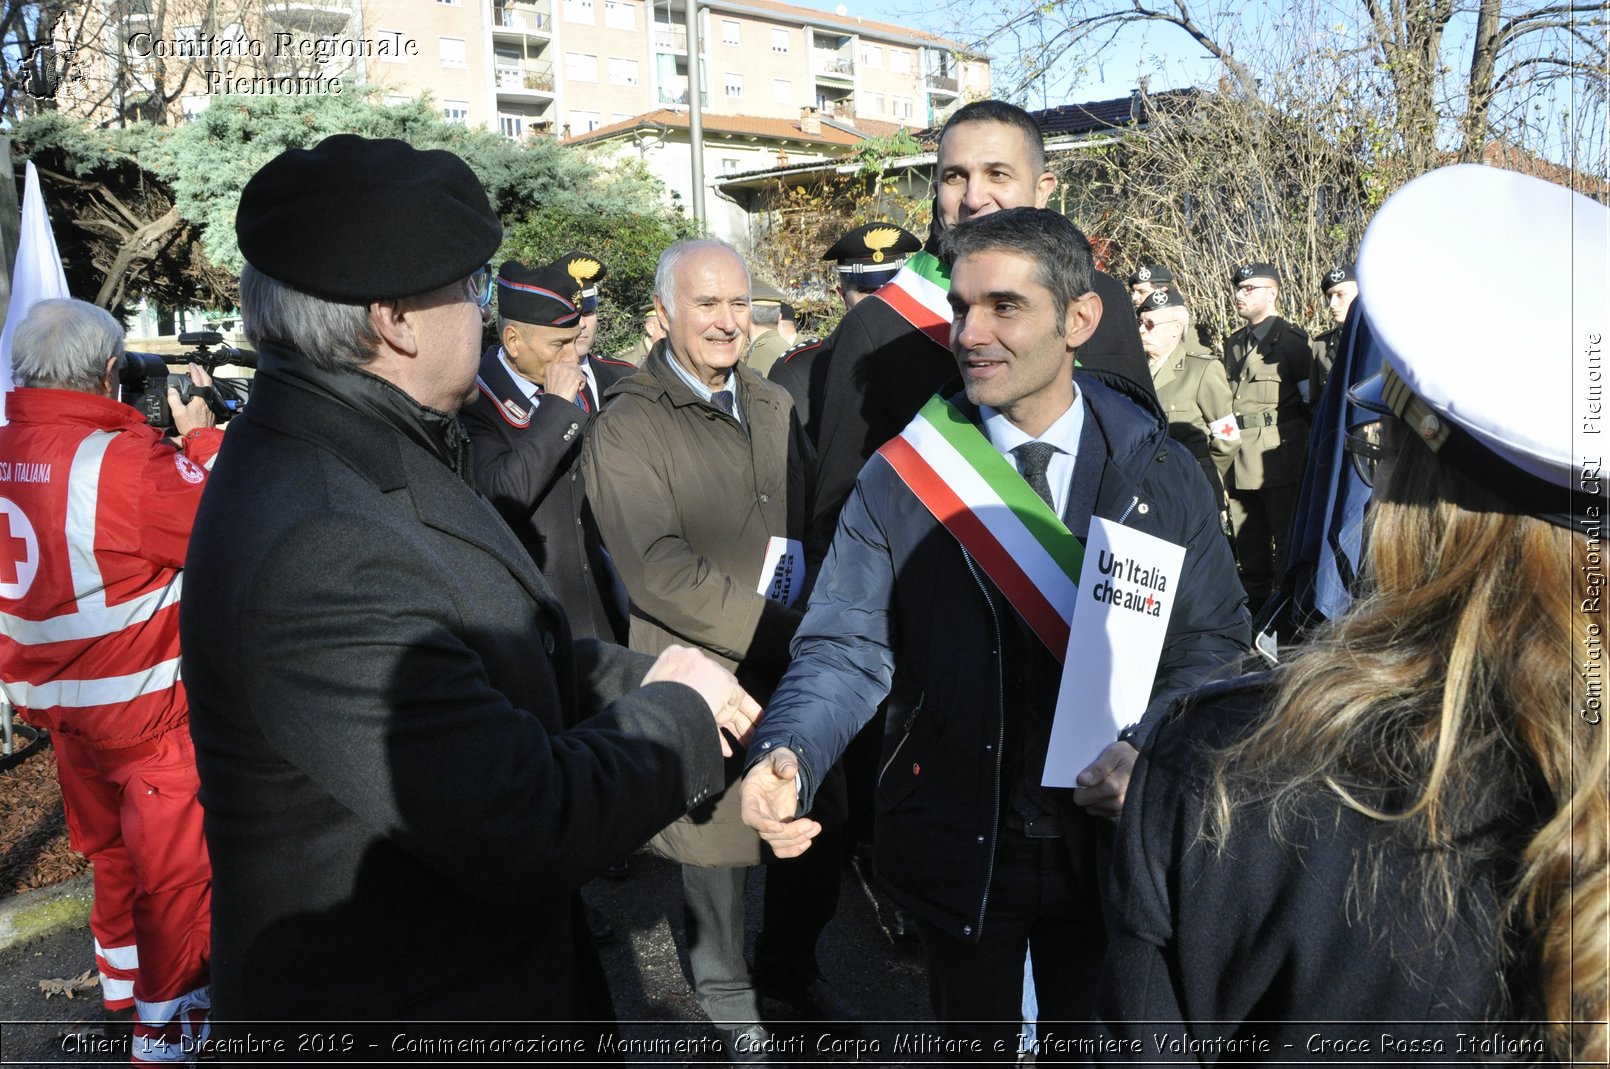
(1364, 448)
(480, 285)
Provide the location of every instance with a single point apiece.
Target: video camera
(144, 379)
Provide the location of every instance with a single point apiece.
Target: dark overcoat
(406, 764)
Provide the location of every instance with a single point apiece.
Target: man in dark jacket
(989, 860)
(407, 764)
(891, 352)
(694, 468)
(526, 426)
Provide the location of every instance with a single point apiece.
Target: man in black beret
(1267, 363)
(599, 372)
(393, 722)
(1340, 287)
(1147, 280)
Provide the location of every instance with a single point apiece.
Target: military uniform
(1266, 380)
(799, 372)
(764, 351)
(1196, 396)
(1323, 350)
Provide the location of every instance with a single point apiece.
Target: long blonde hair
(1468, 656)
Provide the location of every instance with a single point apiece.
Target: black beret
(1160, 299)
(1255, 270)
(355, 219)
(1156, 274)
(873, 245)
(1336, 276)
(545, 296)
(588, 271)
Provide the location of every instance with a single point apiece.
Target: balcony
(519, 19)
(940, 83)
(529, 81)
(314, 16)
(835, 65)
(669, 38)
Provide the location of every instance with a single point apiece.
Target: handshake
(735, 711)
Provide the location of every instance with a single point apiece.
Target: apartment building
(516, 66)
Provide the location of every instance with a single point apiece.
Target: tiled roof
(1097, 115)
(742, 125)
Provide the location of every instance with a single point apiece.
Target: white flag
(36, 276)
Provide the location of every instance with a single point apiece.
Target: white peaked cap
(1521, 267)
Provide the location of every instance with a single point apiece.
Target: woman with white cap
(1395, 847)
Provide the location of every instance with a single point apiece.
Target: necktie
(1033, 460)
(722, 399)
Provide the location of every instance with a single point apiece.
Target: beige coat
(686, 499)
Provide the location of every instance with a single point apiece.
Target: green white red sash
(917, 292)
(980, 498)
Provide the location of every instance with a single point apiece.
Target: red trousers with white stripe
(133, 812)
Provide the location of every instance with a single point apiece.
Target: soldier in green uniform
(765, 313)
(1191, 387)
(1267, 364)
(1340, 286)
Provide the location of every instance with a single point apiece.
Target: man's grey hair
(665, 272)
(333, 335)
(1063, 262)
(765, 315)
(64, 344)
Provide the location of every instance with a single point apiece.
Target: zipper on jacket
(1000, 735)
(1132, 503)
(911, 722)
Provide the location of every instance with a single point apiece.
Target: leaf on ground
(84, 981)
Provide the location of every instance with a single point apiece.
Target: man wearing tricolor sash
(949, 585)
(891, 352)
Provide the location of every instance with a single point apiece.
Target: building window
(779, 40)
(872, 103)
(872, 56)
(899, 61)
(729, 165)
(456, 111)
(511, 126)
(579, 11)
(622, 71)
(451, 3)
(452, 51)
(581, 66)
(619, 15)
(902, 107)
(782, 91)
(584, 122)
(730, 32)
(735, 85)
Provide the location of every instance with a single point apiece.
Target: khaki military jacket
(1267, 380)
(764, 351)
(1323, 348)
(1196, 396)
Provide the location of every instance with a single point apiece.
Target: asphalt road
(880, 973)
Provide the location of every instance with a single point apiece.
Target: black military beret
(588, 271)
(1255, 270)
(1160, 299)
(545, 296)
(1156, 274)
(1336, 276)
(875, 246)
(356, 219)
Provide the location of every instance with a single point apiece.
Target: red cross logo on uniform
(19, 551)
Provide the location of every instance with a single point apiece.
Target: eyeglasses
(479, 285)
(1249, 287)
(1364, 448)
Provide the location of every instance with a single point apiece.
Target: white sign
(782, 573)
(1127, 589)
